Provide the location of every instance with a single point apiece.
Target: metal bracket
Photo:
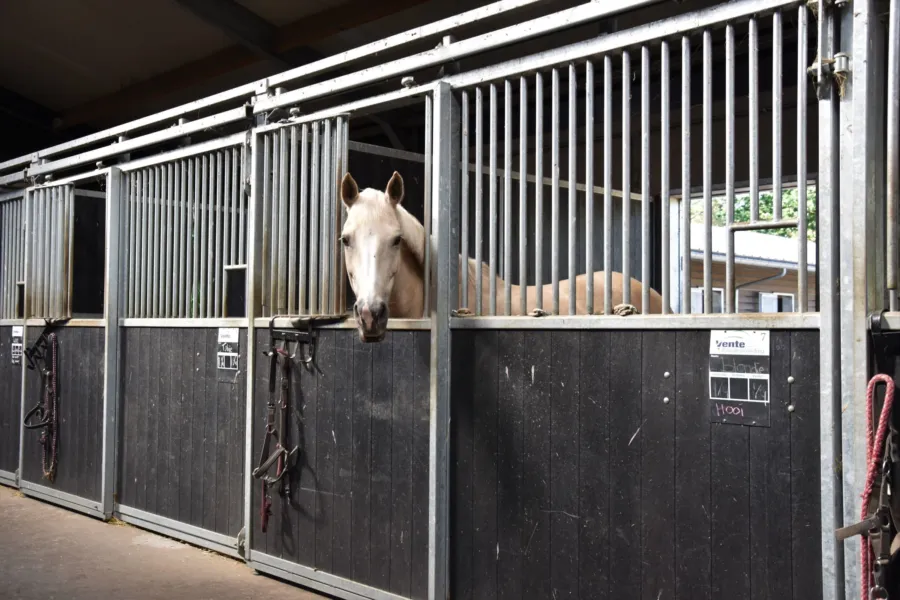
(836, 69)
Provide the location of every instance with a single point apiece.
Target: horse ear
(349, 190)
(395, 190)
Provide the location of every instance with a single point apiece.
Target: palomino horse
(384, 252)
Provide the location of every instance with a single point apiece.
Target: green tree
(789, 210)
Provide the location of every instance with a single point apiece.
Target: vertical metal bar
(645, 180)
(446, 183)
(268, 205)
(204, 282)
(607, 185)
(345, 167)
(685, 175)
(304, 219)
(729, 169)
(589, 187)
(292, 228)
(554, 190)
(707, 172)
(50, 233)
(802, 112)
(141, 229)
(70, 251)
(626, 178)
(754, 120)
(243, 203)
(46, 221)
(192, 239)
(273, 225)
(479, 198)
(280, 249)
(157, 241)
(234, 256)
(464, 204)
(218, 273)
(5, 247)
(539, 190)
(777, 113)
(893, 154)
(507, 197)
(523, 195)
(112, 304)
(180, 199)
(492, 208)
(335, 222)
(227, 210)
(429, 129)
(665, 164)
(325, 227)
(314, 221)
(573, 188)
(170, 248)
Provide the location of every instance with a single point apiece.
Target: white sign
(739, 377)
(228, 354)
(16, 347)
(732, 341)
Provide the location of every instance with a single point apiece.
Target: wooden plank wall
(182, 431)
(80, 389)
(572, 478)
(10, 404)
(359, 507)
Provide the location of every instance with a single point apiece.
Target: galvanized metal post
(859, 113)
(445, 182)
(27, 204)
(829, 334)
(253, 293)
(115, 197)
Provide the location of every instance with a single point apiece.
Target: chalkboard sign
(739, 377)
(228, 353)
(16, 346)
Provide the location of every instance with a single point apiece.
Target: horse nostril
(379, 310)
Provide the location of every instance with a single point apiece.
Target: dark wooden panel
(665, 504)
(80, 389)
(10, 404)
(179, 426)
(360, 499)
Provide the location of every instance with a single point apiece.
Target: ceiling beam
(239, 23)
(306, 31)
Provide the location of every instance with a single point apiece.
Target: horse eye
(397, 241)
(345, 240)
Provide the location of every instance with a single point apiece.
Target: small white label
(228, 335)
(745, 343)
(18, 331)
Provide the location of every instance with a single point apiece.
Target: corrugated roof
(753, 246)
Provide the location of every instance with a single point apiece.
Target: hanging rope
(874, 450)
(47, 410)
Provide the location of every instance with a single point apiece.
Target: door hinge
(836, 69)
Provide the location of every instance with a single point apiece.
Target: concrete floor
(49, 553)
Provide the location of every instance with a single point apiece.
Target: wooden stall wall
(359, 504)
(10, 404)
(182, 429)
(80, 391)
(574, 478)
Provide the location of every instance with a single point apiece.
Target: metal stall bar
(729, 169)
(754, 120)
(180, 200)
(206, 235)
(303, 276)
(479, 197)
(607, 186)
(170, 238)
(777, 110)
(5, 245)
(830, 371)
(279, 232)
(492, 208)
(523, 193)
(685, 175)
(538, 190)
(218, 274)
(665, 200)
(193, 237)
(116, 201)
(893, 155)
(573, 209)
(52, 275)
(445, 179)
(325, 229)
(314, 220)
(266, 230)
(234, 258)
(428, 208)
(626, 178)
(156, 240)
(589, 187)
(554, 191)
(802, 237)
(140, 307)
(645, 181)
(292, 226)
(707, 172)
(70, 250)
(464, 203)
(507, 196)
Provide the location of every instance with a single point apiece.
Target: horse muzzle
(371, 320)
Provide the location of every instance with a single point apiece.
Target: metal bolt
(667, 374)
(295, 112)
(790, 408)
(666, 400)
(790, 379)
(408, 81)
